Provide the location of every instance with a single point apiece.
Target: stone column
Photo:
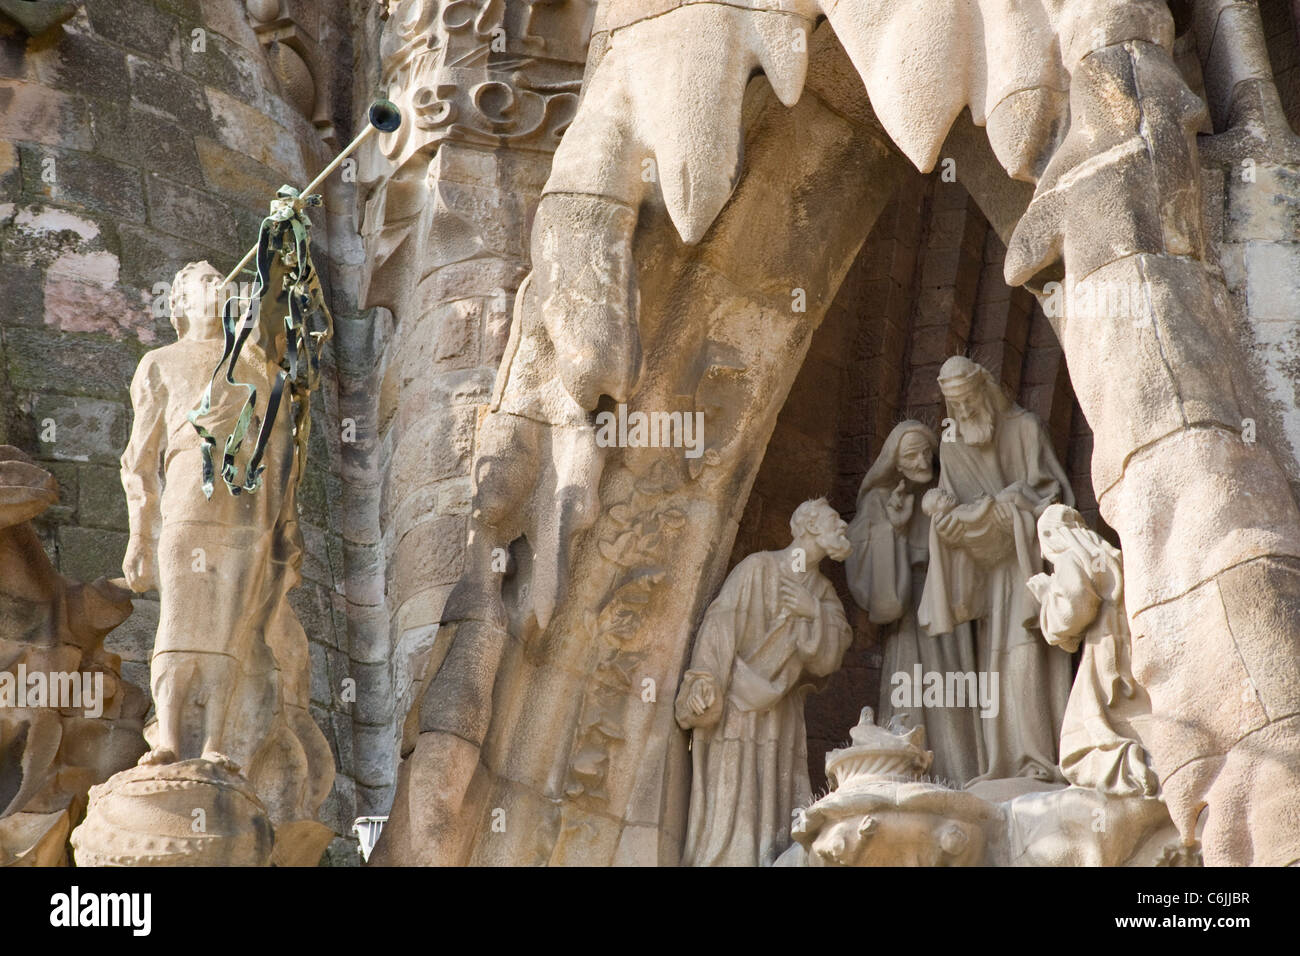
(1253, 214)
(559, 746)
(1210, 529)
(486, 89)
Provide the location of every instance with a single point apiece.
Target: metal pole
(306, 190)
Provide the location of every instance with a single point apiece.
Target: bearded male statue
(776, 622)
(997, 467)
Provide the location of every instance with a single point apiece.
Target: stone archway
(927, 283)
(1118, 200)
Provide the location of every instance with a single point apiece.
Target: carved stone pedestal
(191, 813)
(882, 811)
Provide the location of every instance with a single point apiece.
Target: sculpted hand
(1038, 585)
(898, 509)
(798, 601)
(951, 529)
(1006, 514)
(138, 565)
(702, 696)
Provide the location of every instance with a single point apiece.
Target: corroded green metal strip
(283, 249)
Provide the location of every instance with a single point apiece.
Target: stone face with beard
(776, 626)
(1002, 472)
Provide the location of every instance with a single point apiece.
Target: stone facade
(485, 590)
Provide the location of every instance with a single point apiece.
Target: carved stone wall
(1167, 385)
(138, 136)
(487, 89)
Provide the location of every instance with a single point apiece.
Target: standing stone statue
(886, 572)
(997, 466)
(229, 665)
(210, 559)
(1083, 603)
(776, 622)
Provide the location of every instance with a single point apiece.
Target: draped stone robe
(161, 470)
(750, 766)
(886, 572)
(1107, 709)
(967, 584)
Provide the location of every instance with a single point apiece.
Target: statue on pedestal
(998, 470)
(230, 660)
(776, 623)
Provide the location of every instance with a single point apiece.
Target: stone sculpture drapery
(776, 623)
(886, 575)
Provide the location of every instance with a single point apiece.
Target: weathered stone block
(76, 428)
(133, 639)
(169, 94)
(149, 257)
(234, 175)
(1273, 279)
(136, 26)
(41, 361)
(322, 694)
(23, 293)
(65, 473)
(186, 212)
(129, 135)
(226, 66)
(248, 130)
(84, 65)
(339, 730)
(101, 502)
(376, 749)
(13, 57)
(87, 553)
(82, 179)
(376, 694)
(430, 553)
(36, 114)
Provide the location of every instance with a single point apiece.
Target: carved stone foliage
(640, 545)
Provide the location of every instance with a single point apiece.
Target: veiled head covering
(884, 470)
(1062, 532)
